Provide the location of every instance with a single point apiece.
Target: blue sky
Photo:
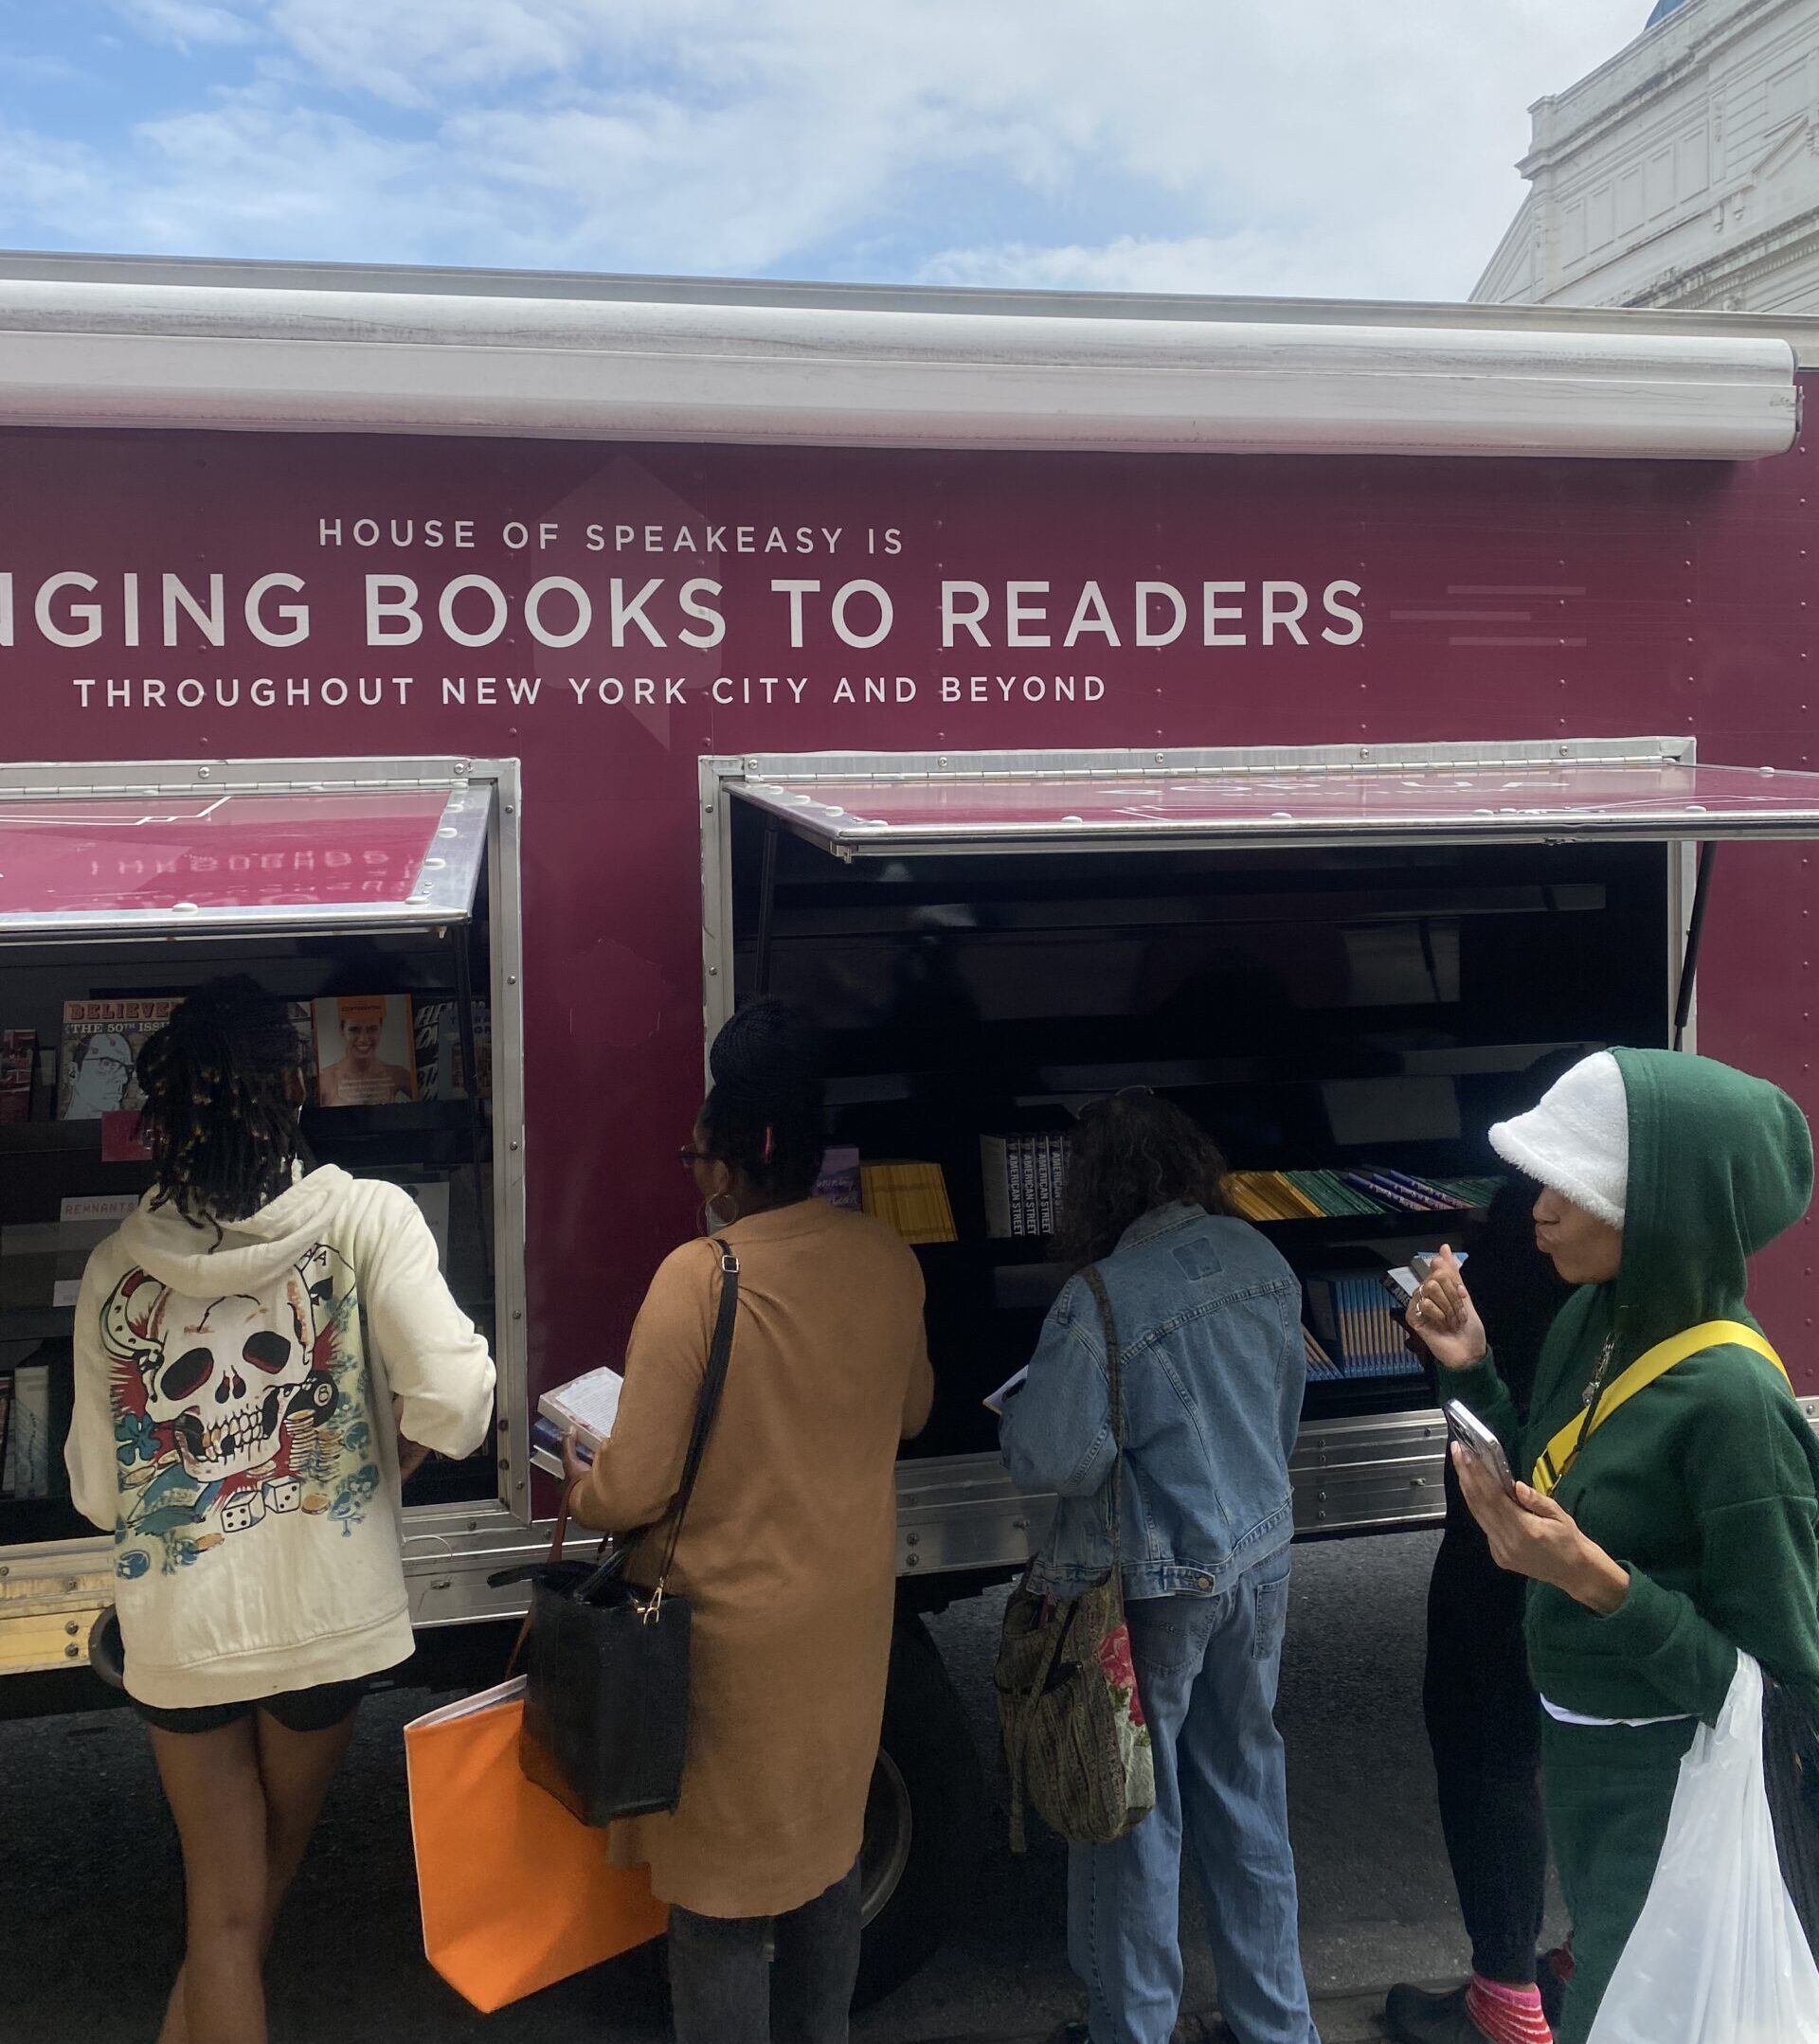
(1324, 147)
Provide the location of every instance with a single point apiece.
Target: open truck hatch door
(1341, 955)
(1652, 791)
(858, 807)
(124, 862)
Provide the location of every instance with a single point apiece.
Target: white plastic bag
(1717, 1955)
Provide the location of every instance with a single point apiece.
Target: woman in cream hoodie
(250, 1346)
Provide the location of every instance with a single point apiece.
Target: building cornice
(1777, 248)
(1700, 47)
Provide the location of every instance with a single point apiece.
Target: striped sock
(1507, 2015)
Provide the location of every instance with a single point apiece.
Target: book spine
(1013, 1168)
(1026, 1180)
(1045, 1183)
(1432, 1195)
(995, 1179)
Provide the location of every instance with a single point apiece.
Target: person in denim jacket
(1209, 1322)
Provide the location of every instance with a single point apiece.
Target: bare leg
(211, 1782)
(296, 1771)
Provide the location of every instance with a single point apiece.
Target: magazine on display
(436, 1030)
(18, 1073)
(100, 1049)
(840, 1183)
(365, 1050)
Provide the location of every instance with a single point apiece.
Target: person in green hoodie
(1668, 1528)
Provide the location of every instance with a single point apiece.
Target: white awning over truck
(856, 806)
(294, 358)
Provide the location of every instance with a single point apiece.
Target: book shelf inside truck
(1342, 1021)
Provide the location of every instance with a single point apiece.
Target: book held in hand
(585, 1405)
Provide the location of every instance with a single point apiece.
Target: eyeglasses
(688, 1157)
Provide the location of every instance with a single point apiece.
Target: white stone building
(1682, 172)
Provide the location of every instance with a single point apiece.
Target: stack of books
(1356, 1326)
(587, 1407)
(913, 1198)
(1321, 1195)
(1320, 1366)
(1023, 1176)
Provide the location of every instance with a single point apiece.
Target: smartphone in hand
(1407, 1280)
(1465, 1428)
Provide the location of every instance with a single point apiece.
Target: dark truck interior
(1332, 1009)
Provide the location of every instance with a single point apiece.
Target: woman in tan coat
(787, 1555)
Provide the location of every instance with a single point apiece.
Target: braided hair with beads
(221, 1089)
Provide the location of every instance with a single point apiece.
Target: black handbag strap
(719, 1355)
(613, 1562)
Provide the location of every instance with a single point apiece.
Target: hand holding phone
(1443, 1316)
(1465, 1428)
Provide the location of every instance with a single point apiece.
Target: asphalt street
(91, 1891)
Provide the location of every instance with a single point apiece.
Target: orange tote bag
(515, 1893)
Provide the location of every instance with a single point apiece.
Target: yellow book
(1300, 1205)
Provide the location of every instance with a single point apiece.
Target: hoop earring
(712, 1220)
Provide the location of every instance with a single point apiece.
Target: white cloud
(47, 179)
(1303, 261)
(187, 21)
(415, 52)
(1319, 148)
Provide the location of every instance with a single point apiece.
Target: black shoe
(1415, 2017)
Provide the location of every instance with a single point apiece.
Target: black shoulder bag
(606, 1692)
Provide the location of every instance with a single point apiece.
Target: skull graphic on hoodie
(229, 1409)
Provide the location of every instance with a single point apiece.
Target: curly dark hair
(763, 1113)
(220, 1102)
(1128, 1154)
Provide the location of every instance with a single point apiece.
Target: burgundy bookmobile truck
(1317, 712)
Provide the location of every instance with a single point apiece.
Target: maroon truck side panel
(1498, 601)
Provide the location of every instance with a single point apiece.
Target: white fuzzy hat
(1578, 1141)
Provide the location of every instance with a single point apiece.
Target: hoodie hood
(249, 1255)
(1720, 1163)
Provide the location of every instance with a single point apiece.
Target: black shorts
(298, 1710)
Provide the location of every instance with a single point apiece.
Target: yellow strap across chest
(1557, 1457)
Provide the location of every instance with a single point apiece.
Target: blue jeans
(1206, 1671)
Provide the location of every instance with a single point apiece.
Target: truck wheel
(926, 1791)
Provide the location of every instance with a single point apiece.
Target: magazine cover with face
(366, 1052)
(101, 1044)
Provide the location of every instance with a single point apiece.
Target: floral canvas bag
(1074, 1736)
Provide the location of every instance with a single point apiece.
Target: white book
(589, 1404)
(452, 1714)
(1011, 1385)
